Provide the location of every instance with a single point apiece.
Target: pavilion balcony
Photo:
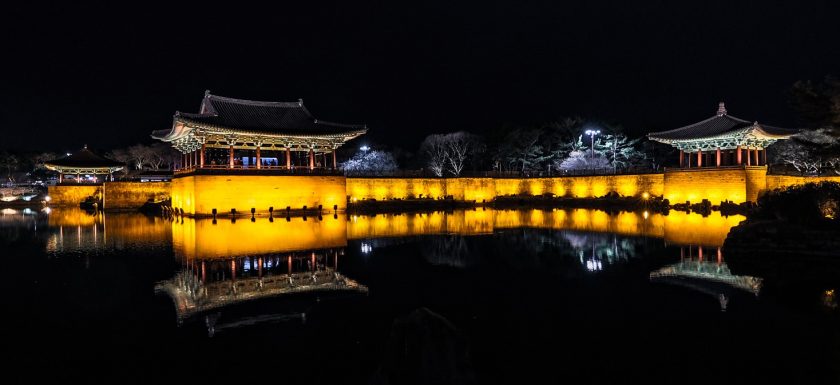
(253, 170)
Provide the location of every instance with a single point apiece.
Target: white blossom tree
(582, 160)
(370, 161)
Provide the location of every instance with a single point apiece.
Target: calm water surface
(479, 296)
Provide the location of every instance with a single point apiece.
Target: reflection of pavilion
(207, 286)
(707, 276)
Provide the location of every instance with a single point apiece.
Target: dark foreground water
(487, 297)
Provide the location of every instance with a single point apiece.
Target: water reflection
(678, 228)
(78, 230)
(73, 229)
(711, 277)
(210, 287)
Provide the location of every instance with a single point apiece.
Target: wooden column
(230, 160)
(718, 156)
(259, 162)
(60, 177)
(311, 158)
(749, 162)
(682, 156)
(738, 154)
(201, 161)
(333, 156)
(699, 158)
(288, 158)
(757, 163)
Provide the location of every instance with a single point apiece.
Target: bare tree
(160, 154)
(139, 155)
(434, 149)
(10, 163)
(809, 152)
(458, 146)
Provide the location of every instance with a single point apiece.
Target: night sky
(107, 75)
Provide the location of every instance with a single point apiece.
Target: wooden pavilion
(83, 162)
(230, 133)
(722, 140)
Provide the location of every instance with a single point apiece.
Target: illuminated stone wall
(479, 189)
(734, 184)
(782, 181)
(131, 195)
(200, 194)
(65, 195)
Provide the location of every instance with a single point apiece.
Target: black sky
(107, 75)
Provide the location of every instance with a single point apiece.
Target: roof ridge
(725, 116)
(298, 103)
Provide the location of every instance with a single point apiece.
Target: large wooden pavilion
(230, 133)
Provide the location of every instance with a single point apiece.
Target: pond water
(476, 296)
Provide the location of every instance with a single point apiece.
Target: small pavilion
(722, 140)
(83, 162)
(230, 133)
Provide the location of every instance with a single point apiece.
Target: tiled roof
(719, 125)
(268, 117)
(84, 158)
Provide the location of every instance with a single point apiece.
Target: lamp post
(592, 134)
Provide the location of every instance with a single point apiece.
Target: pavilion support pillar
(311, 158)
(682, 157)
(288, 158)
(230, 157)
(195, 158)
(333, 156)
(764, 155)
(717, 153)
(749, 163)
(201, 159)
(60, 177)
(757, 163)
(699, 158)
(259, 162)
(738, 155)
(700, 253)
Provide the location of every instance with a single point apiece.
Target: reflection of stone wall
(479, 189)
(676, 228)
(131, 195)
(65, 195)
(202, 238)
(200, 194)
